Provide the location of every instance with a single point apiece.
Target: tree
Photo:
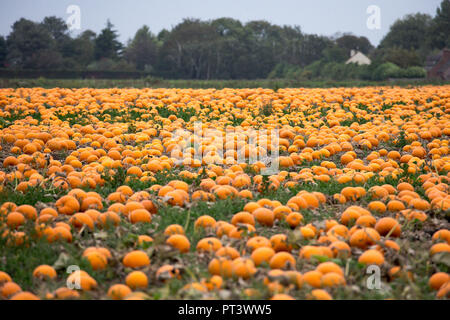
(142, 50)
(411, 32)
(226, 49)
(162, 37)
(56, 27)
(84, 48)
(65, 45)
(189, 51)
(3, 51)
(440, 30)
(31, 46)
(335, 54)
(290, 45)
(350, 42)
(312, 47)
(223, 48)
(402, 57)
(270, 45)
(107, 44)
(230, 48)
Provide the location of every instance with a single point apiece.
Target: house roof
(359, 58)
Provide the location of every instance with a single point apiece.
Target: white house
(358, 58)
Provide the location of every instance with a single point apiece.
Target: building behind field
(438, 65)
(359, 58)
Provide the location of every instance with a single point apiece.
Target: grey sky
(324, 17)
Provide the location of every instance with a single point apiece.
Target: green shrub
(414, 72)
(387, 70)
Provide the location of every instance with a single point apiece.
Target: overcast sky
(324, 17)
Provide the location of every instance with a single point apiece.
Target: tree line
(225, 48)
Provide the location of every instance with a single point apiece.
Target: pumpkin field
(167, 193)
